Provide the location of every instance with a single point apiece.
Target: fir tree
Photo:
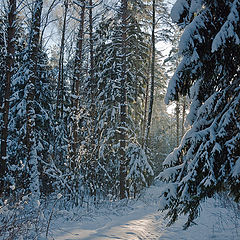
(108, 65)
(207, 160)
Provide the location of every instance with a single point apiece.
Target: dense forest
(82, 107)
(82, 89)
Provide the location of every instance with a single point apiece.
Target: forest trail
(144, 222)
(134, 226)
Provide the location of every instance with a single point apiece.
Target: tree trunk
(9, 72)
(146, 104)
(33, 60)
(150, 110)
(183, 115)
(123, 104)
(177, 122)
(60, 87)
(76, 78)
(93, 85)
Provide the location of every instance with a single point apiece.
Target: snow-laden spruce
(208, 158)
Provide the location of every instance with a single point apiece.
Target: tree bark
(123, 103)
(183, 115)
(9, 72)
(146, 104)
(177, 122)
(150, 110)
(93, 85)
(60, 87)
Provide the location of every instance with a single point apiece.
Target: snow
(178, 8)
(140, 219)
(236, 169)
(228, 29)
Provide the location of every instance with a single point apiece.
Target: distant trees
(207, 161)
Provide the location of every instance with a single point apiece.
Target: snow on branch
(228, 30)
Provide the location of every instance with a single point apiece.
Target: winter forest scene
(119, 119)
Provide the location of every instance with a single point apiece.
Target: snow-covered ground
(141, 220)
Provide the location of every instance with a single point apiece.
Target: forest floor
(140, 219)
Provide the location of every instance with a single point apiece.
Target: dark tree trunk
(9, 72)
(150, 110)
(93, 84)
(146, 104)
(177, 122)
(183, 115)
(60, 86)
(78, 58)
(123, 104)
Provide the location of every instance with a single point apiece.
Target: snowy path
(144, 222)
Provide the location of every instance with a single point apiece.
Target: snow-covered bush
(22, 219)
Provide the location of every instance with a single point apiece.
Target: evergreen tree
(34, 49)
(44, 129)
(16, 166)
(108, 65)
(107, 98)
(207, 161)
(30, 120)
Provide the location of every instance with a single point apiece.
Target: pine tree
(108, 65)
(17, 167)
(23, 159)
(106, 166)
(31, 91)
(207, 161)
(44, 130)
